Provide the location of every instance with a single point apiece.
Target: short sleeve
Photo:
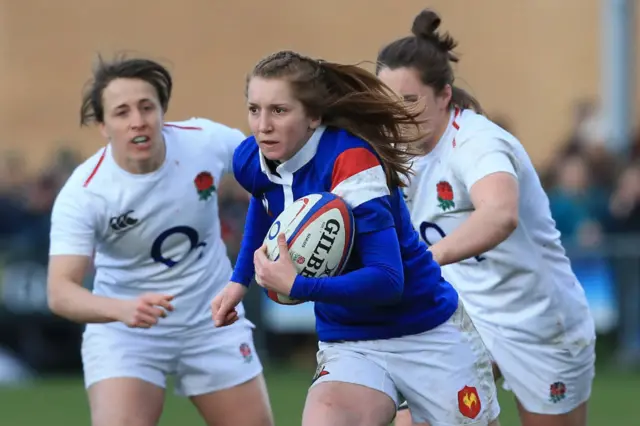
(232, 139)
(359, 179)
(481, 156)
(73, 228)
(226, 139)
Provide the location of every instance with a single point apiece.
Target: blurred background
(560, 75)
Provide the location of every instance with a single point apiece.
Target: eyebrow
(139, 102)
(280, 104)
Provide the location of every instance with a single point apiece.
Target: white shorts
(444, 374)
(203, 359)
(547, 378)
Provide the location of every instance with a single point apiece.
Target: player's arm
(487, 168)
(255, 229)
(71, 252)
(69, 299)
(359, 179)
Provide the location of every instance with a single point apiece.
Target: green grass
(62, 401)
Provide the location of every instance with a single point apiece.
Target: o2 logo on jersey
(424, 229)
(190, 233)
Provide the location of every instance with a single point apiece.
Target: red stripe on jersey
(182, 127)
(456, 113)
(95, 169)
(350, 163)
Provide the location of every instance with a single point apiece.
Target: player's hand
(276, 275)
(223, 306)
(145, 311)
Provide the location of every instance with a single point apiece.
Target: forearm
(76, 303)
(366, 286)
(379, 281)
(482, 231)
(256, 227)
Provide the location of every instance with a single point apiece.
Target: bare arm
(495, 200)
(69, 299)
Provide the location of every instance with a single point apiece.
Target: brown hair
(430, 53)
(92, 109)
(353, 99)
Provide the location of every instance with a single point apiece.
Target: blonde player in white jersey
(477, 202)
(146, 206)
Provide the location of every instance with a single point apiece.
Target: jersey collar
(295, 163)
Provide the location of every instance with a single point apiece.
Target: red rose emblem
(204, 185)
(445, 195)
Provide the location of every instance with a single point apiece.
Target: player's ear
(315, 123)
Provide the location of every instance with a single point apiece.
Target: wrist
(111, 309)
(299, 288)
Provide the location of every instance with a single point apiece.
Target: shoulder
(346, 154)
(336, 143)
(81, 190)
(88, 174)
(475, 127)
(206, 131)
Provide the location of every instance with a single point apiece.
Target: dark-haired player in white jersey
(478, 204)
(144, 210)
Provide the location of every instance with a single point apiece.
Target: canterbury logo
(122, 222)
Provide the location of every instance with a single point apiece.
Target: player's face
(435, 111)
(133, 120)
(277, 119)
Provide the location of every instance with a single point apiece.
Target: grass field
(61, 401)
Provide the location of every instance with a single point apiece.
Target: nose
(137, 120)
(264, 124)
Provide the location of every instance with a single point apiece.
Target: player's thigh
(547, 380)
(244, 404)
(125, 401)
(446, 375)
(350, 388)
(576, 417)
(219, 369)
(125, 373)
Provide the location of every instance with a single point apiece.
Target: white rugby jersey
(524, 287)
(156, 232)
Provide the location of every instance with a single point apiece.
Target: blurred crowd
(592, 190)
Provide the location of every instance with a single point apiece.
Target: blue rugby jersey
(391, 286)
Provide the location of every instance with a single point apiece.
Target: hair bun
(425, 27)
(426, 24)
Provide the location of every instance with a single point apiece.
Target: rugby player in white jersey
(143, 210)
(477, 202)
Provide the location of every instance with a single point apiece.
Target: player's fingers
(165, 304)
(260, 257)
(232, 317)
(283, 247)
(158, 299)
(142, 319)
(215, 304)
(219, 317)
(152, 311)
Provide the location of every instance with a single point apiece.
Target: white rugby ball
(320, 230)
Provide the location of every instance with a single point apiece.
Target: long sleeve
(380, 281)
(256, 227)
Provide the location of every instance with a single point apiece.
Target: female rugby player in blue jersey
(389, 323)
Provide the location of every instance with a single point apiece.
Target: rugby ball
(319, 229)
